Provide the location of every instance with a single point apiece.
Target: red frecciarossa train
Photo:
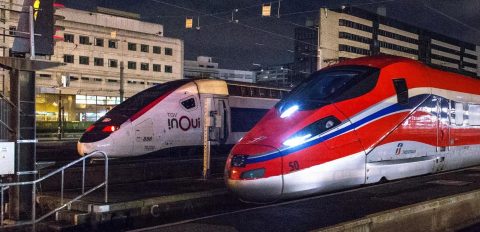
(359, 122)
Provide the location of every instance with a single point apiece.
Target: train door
(220, 114)
(443, 132)
(144, 137)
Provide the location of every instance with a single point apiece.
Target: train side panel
(245, 113)
(174, 122)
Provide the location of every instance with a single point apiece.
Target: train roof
(381, 61)
(378, 61)
(240, 83)
(438, 78)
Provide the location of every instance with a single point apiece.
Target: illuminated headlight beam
(295, 141)
(289, 111)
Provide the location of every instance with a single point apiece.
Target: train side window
(188, 103)
(474, 115)
(402, 90)
(459, 113)
(234, 90)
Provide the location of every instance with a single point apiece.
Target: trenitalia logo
(36, 8)
(399, 149)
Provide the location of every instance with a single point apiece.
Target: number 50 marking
(293, 166)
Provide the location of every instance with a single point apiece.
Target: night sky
(269, 40)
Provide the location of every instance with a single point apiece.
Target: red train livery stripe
(149, 106)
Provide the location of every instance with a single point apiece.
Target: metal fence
(6, 107)
(63, 204)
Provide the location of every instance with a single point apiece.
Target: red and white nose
(254, 181)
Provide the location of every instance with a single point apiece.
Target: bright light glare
(289, 111)
(295, 141)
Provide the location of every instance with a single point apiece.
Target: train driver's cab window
(401, 90)
(330, 86)
(188, 103)
(474, 115)
(459, 113)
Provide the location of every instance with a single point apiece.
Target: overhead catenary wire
(253, 28)
(259, 29)
(451, 18)
(236, 22)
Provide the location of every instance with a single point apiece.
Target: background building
(8, 26)
(351, 32)
(96, 46)
(276, 75)
(204, 67)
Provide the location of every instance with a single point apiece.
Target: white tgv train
(169, 118)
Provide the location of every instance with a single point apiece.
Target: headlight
(253, 174)
(311, 131)
(289, 111)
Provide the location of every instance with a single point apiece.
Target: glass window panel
(458, 113)
(91, 100)
(101, 100)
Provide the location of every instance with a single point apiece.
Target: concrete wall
(444, 214)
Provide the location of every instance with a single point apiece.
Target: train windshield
(331, 85)
(142, 99)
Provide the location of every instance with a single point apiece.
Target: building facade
(276, 75)
(204, 67)
(99, 50)
(8, 25)
(351, 32)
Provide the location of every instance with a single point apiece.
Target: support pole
(23, 118)
(60, 122)
(122, 68)
(32, 33)
(206, 143)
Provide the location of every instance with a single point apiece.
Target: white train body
(170, 118)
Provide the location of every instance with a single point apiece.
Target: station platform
(141, 203)
(441, 202)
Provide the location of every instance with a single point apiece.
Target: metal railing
(6, 107)
(5, 186)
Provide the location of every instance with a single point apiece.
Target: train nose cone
(257, 181)
(84, 148)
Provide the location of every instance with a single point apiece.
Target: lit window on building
(68, 58)
(84, 60)
(101, 100)
(68, 38)
(157, 50)
(91, 100)
(168, 69)
(132, 46)
(168, 51)
(157, 68)
(144, 48)
(80, 99)
(132, 65)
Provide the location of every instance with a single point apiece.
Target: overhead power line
(236, 22)
(450, 17)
